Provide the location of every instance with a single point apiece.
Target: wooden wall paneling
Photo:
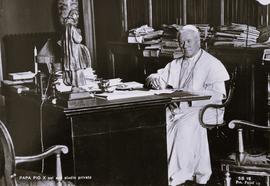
(184, 12)
(222, 12)
(108, 27)
(155, 4)
(124, 19)
(267, 15)
(89, 29)
(1, 64)
(138, 12)
(244, 12)
(190, 12)
(168, 12)
(262, 15)
(197, 12)
(150, 13)
(178, 10)
(226, 12)
(205, 12)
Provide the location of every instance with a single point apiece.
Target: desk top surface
(97, 104)
(88, 105)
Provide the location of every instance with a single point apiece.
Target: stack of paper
(123, 94)
(130, 94)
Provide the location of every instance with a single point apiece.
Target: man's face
(189, 43)
(68, 11)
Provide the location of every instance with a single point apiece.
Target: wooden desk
(121, 142)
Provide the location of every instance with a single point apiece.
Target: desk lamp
(49, 68)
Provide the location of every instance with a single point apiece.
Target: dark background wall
(27, 16)
(32, 16)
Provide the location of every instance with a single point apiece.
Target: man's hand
(153, 81)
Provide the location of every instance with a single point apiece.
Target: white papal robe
(187, 143)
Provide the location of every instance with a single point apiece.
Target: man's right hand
(153, 81)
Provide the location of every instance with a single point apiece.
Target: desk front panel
(124, 146)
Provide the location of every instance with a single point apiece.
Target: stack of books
(18, 82)
(169, 42)
(152, 50)
(19, 78)
(21, 75)
(237, 35)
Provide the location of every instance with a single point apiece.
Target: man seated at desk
(187, 143)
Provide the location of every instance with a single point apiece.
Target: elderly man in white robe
(187, 143)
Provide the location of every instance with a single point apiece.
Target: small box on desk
(75, 100)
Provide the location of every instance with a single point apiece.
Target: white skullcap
(190, 27)
(264, 2)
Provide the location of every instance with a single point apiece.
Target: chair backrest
(9, 155)
(230, 86)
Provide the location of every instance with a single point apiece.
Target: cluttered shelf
(147, 49)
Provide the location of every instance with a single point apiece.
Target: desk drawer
(118, 120)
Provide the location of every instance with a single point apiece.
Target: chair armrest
(57, 149)
(215, 106)
(237, 124)
(203, 110)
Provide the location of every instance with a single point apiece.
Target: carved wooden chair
(243, 162)
(217, 131)
(11, 176)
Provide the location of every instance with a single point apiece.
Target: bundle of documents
(129, 86)
(144, 34)
(237, 35)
